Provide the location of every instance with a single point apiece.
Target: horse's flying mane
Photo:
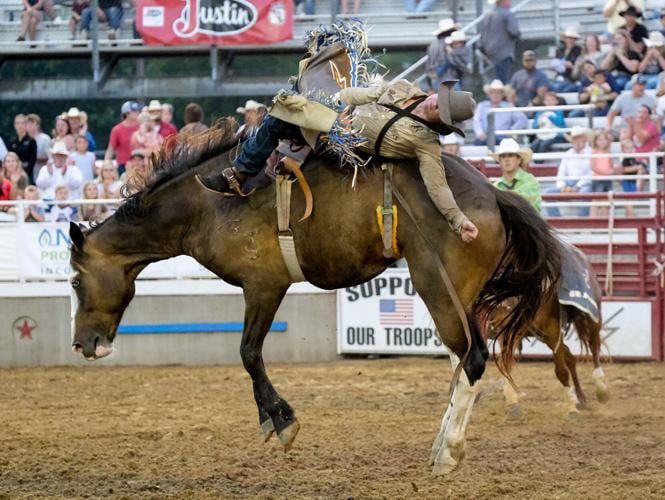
(178, 155)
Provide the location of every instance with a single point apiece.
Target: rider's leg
(255, 152)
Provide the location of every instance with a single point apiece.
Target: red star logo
(26, 330)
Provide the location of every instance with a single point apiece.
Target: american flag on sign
(396, 311)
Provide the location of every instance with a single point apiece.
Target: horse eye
(75, 283)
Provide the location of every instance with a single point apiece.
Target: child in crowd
(601, 166)
(92, 212)
(548, 119)
(62, 211)
(82, 158)
(33, 213)
(108, 186)
(12, 171)
(599, 93)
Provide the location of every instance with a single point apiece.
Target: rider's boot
(228, 182)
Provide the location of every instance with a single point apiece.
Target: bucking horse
(339, 245)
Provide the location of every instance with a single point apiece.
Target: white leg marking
(74, 301)
(600, 384)
(461, 407)
(438, 442)
(571, 401)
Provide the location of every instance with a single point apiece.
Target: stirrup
(232, 177)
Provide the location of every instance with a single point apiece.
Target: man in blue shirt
(529, 83)
(510, 120)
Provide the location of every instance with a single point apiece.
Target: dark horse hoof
(267, 430)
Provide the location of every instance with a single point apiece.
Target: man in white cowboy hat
(451, 144)
(513, 120)
(574, 174)
(374, 112)
(514, 162)
(163, 129)
(56, 172)
(564, 61)
(437, 51)
(530, 83)
(499, 35)
(253, 113)
(653, 62)
(78, 123)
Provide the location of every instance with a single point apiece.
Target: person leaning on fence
(62, 211)
(574, 174)
(499, 35)
(514, 162)
(437, 52)
(510, 120)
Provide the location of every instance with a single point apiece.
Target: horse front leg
(275, 414)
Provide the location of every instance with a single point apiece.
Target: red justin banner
(216, 22)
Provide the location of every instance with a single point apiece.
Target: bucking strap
(286, 244)
(293, 166)
(399, 114)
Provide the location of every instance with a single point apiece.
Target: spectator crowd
(62, 166)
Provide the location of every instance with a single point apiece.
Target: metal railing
(470, 43)
(492, 133)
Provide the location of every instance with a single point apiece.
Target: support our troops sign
(217, 22)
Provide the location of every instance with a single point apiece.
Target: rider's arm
(355, 96)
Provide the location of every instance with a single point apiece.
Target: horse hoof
(443, 469)
(514, 412)
(573, 414)
(267, 430)
(602, 394)
(288, 435)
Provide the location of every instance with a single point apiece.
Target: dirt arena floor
(367, 427)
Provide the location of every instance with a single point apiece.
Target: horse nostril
(77, 347)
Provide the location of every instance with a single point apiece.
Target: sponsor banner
(386, 316)
(217, 22)
(44, 254)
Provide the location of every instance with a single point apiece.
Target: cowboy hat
(510, 146)
(631, 11)
(454, 106)
(571, 32)
(456, 36)
(59, 148)
(250, 105)
(495, 85)
(446, 24)
(155, 105)
(576, 131)
(73, 113)
(656, 39)
(451, 139)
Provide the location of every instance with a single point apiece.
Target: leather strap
(399, 114)
(459, 308)
(294, 167)
(387, 209)
(283, 187)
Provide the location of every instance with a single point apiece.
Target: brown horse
(550, 326)
(340, 245)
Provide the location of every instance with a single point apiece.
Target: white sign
(386, 316)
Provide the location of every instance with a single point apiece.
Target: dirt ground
(367, 428)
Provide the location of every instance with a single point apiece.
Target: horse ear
(76, 235)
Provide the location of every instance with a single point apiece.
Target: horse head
(101, 290)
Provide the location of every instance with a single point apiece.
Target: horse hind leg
(592, 329)
(571, 363)
(561, 369)
(275, 413)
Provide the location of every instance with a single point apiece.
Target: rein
(459, 308)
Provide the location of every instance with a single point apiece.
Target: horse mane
(177, 156)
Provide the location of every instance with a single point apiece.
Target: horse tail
(528, 271)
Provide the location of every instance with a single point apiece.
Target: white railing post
(653, 181)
